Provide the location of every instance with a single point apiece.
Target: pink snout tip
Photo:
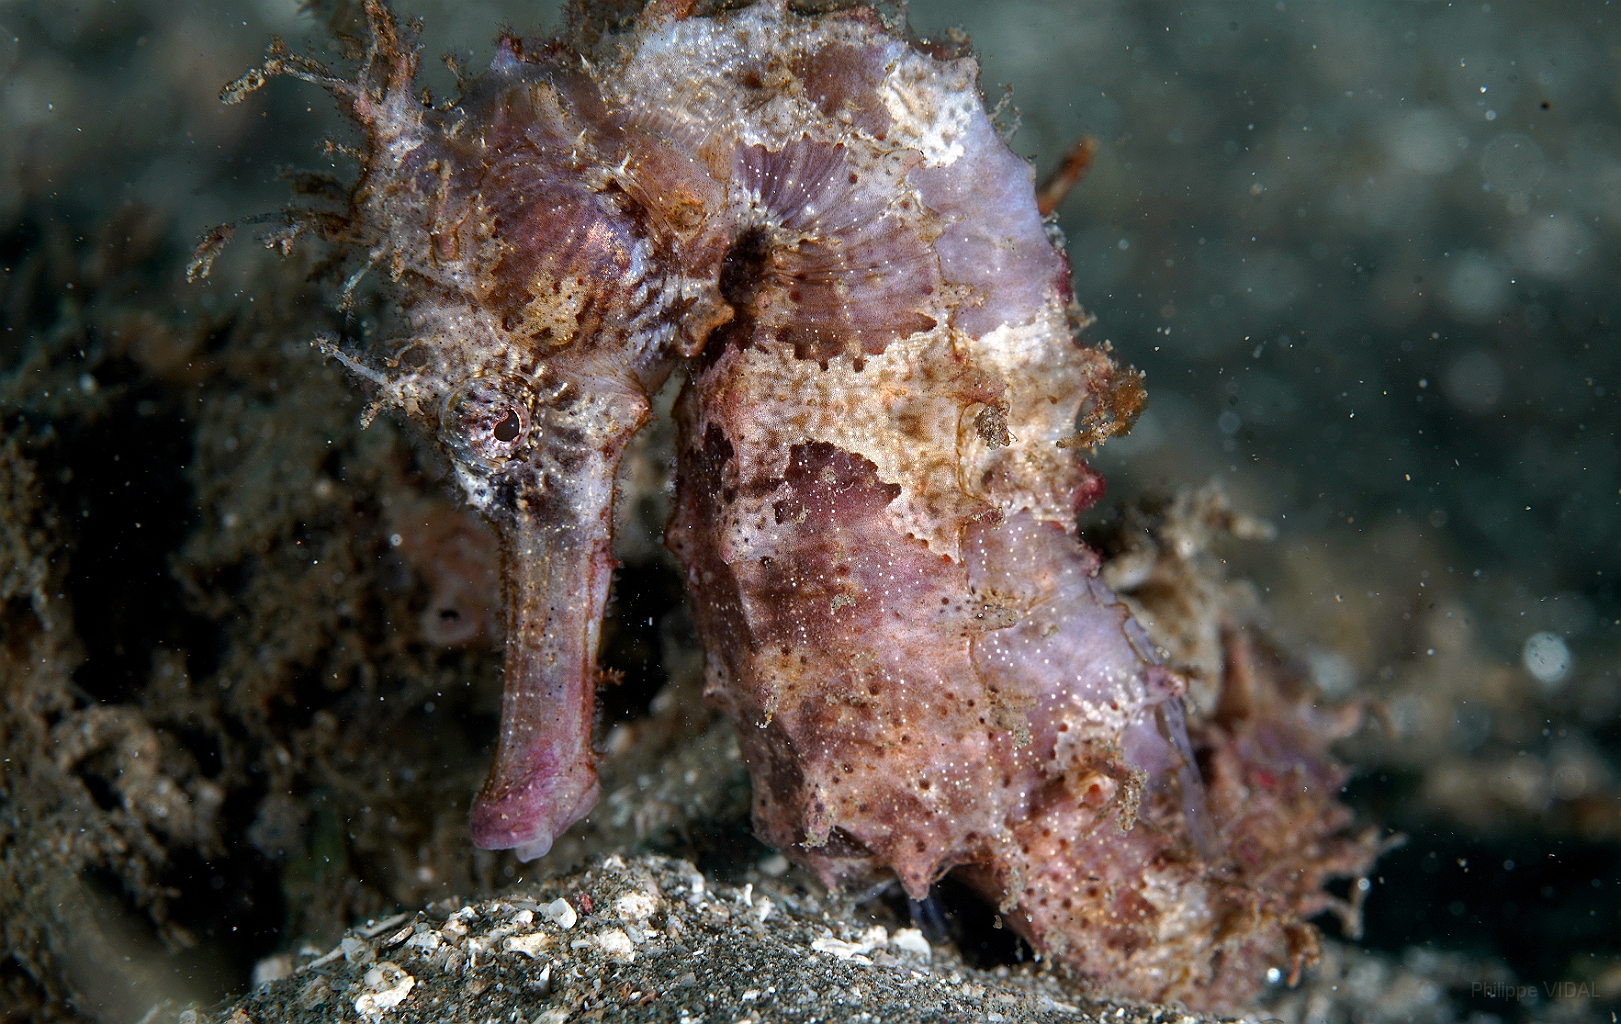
(526, 819)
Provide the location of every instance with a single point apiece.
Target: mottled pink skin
(1078, 648)
(901, 710)
(992, 238)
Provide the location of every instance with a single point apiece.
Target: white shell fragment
(387, 988)
(529, 945)
(561, 913)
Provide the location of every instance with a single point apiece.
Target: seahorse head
(539, 312)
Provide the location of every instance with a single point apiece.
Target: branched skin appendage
(880, 462)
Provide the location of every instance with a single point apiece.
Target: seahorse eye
(487, 419)
(508, 428)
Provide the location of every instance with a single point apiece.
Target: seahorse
(882, 440)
